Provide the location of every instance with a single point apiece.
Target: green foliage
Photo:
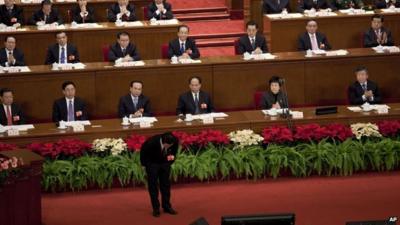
(280, 158)
(222, 162)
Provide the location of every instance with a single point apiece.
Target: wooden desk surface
(231, 81)
(342, 31)
(255, 120)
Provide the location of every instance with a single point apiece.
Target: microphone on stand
(285, 110)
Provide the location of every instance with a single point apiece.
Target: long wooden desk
(231, 81)
(90, 41)
(255, 120)
(100, 8)
(342, 31)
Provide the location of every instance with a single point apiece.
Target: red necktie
(9, 117)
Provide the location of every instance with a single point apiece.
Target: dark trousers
(159, 174)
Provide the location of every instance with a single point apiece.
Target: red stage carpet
(316, 201)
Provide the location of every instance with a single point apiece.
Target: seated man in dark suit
(363, 90)
(383, 4)
(62, 52)
(46, 15)
(10, 55)
(10, 113)
(11, 14)
(276, 6)
(377, 34)
(135, 104)
(123, 50)
(121, 11)
(311, 39)
(194, 101)
(347, 4)
(159, 10)
(273, 98)
(82, 13)
(69, 107)
(253, 43)
(183, 46)
(314, 4)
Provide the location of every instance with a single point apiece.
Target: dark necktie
(364, 86)
(124, 52)
(62, 57)
(196, 103)
(135, 102)
(183, 48)
(253, 43)
(70, 111)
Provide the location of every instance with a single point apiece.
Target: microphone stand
(286, 112)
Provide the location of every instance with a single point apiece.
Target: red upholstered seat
(164, 51)
(257, 98)
(105, 49)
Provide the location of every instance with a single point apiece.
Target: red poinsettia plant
(202, 139)
(7, 147)
(60, 149)
(277, 134)
(389, 128)
(135, 142)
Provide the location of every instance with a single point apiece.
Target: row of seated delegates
(253, 42)
(12, 15)
(194, 101)
(361, 91)
(277, 6)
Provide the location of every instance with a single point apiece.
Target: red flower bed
(135, 142)
(277, 134)
(389, 128)
(7, 147)
(65, 147)
(202, 139)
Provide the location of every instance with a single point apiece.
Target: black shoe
(170, 211)
(156, 213)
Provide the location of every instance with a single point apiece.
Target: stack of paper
(79, 122)
(14, 69)
(285, 16)
(24, 127)
(129, 64)
(143, 119)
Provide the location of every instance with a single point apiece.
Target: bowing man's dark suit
(268, 99)
(60, 110)
(370, 38)
(115, 52)
(272, 6)
(152, 8)
(114, 10)
(318, 4)
(186, 104)
(76, 14)
(174, 48)
(381, 4)
(15, 111)
(304, 41)
(16, 12)
(53, 53)
(18, 55)
(245, 44)
(39, 16)
(356, 92)
(158, 170)
(126, 106)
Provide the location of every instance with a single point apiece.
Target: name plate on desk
(208, 120)
(78, 128)
(13, 132)
(144, 124)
